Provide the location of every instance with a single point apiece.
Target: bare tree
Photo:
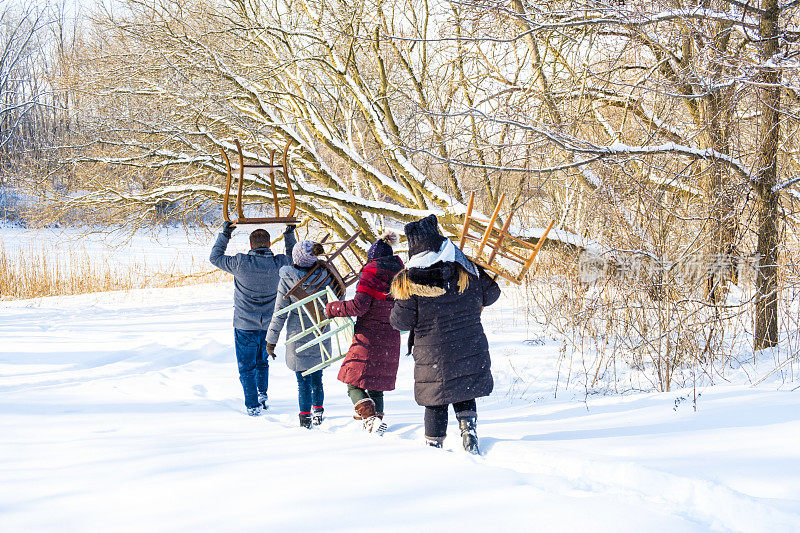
(22, 88)
(766, 309)
(365, 93)
(686, 99)
(36, 43)
(649, 130)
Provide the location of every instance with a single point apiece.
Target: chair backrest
(321, 274)
(290, 218)
(485, 243)
(343, 254)
(325, 273)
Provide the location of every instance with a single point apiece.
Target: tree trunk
(766, 308)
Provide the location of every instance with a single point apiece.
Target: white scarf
(447, 252)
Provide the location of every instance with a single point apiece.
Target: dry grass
(38, 272)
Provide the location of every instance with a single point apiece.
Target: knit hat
(423, 235)
(305, 253)
(383, 246)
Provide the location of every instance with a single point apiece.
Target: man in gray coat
(255, 278)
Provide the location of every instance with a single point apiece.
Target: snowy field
(123, 411)
(155, 249)
(162, 249)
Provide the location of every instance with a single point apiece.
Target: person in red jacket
(370, 367)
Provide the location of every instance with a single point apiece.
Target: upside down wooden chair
(486, 244)
(343, 254)
(252, 170)
(327, 273)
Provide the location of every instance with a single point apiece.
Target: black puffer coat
(451, 353)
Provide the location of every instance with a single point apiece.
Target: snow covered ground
(123, 411)
(162, 249)
(154, 249)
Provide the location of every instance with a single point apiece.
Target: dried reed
(36, 273)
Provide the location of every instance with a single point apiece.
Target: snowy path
(124, 411)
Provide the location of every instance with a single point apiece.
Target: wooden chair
(326, 272)
(290, 217)
(350, 268)
(487, 243)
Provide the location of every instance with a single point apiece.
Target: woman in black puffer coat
(439, 297)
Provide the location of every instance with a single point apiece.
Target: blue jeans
(251, 355)
(309, 391)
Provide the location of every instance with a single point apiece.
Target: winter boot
(262, 400)
(434, 442)
(358, 417)
(381, 426)
(469, 434)
(316, 415)
(362, 406)
(305, 420)
(254, 411)
(365, 409)
(375, 425)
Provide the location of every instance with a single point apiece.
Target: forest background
(659, 136)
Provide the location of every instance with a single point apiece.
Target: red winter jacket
(371, 363)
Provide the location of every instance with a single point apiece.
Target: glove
(227, 229)
(271, 349)
(289, 228)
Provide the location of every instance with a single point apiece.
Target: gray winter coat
(255, 278)
(451, 353)
(296, 361)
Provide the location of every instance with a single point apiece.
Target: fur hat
(305, 253)
(423, 235)
(383, 246)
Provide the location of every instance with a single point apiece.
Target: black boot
(469, 434)
(316, 415)
(305, 420)
(434, 442)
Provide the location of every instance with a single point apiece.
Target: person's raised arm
(489, 287)
(289, 239)
(218, 258)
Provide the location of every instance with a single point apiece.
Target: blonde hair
(463, 280)
(402, 286)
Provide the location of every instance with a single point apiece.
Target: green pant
(356, 395)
